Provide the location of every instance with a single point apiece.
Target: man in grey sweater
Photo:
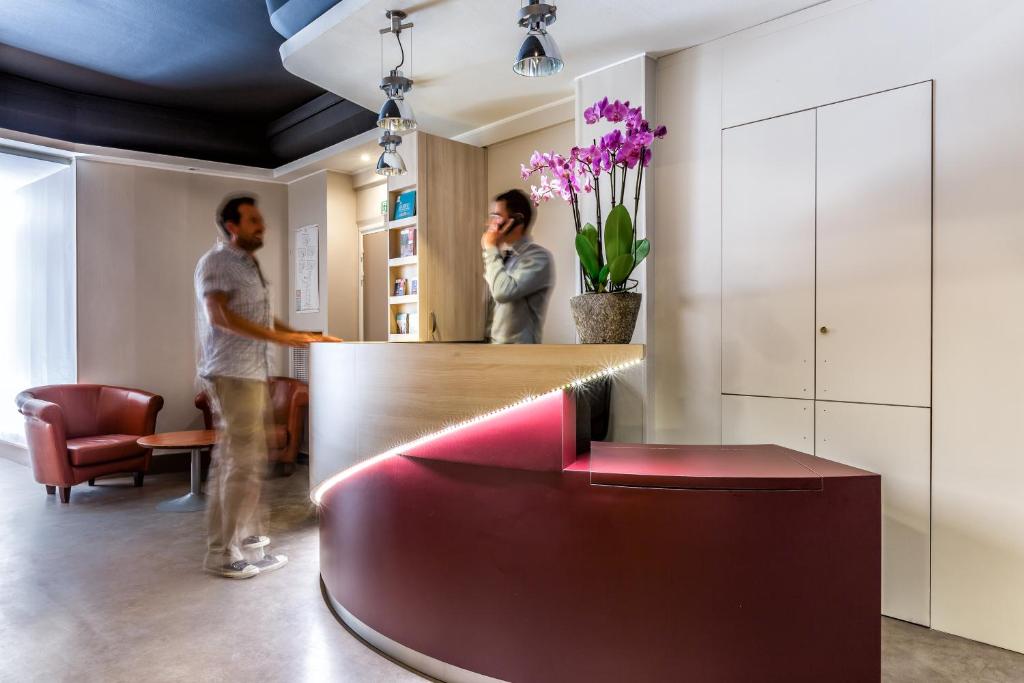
(520, 273)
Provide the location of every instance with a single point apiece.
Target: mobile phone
(514, 220)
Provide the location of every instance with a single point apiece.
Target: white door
(768, 257)
(893, 441)
(874, 248)
(754, 420)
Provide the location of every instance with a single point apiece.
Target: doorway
(373, 284)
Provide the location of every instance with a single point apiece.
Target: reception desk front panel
(493, 549)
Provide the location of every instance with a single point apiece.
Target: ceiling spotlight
(396, 115)
(390, 161)
(539, 56)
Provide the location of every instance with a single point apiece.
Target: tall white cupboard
(826, 304)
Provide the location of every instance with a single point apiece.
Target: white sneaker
(235, 570)
(253, 542)
(270, 562)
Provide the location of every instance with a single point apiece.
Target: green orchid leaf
(618, 234)
(591, 234)
(621, 267)
(588, 255)
(602, 278)
(641, 248)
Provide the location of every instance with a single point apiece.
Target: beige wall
(307, 205)
(837, 50)
(553, 228)
(328, 200)
(342, 258)
(140, 233)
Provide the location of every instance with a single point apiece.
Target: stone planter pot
(606, 318)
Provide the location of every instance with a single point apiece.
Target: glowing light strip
(321, 489)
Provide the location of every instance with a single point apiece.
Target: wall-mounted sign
(307, 269)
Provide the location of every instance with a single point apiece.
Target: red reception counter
(503, 549)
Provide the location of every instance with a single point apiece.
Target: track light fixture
(390, 161)
(396, 115)
(539, 55)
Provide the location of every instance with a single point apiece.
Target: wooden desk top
(193, 439)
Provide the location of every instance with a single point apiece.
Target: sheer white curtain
(37, 281)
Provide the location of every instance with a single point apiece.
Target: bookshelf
(438, 248)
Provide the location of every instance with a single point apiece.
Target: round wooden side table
(195, 441)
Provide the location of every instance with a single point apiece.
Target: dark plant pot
(606, 318)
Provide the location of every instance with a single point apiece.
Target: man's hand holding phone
(496, 230)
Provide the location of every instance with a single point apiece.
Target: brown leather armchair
(289, 399)
(77, 432)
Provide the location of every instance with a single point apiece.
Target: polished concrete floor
(109, 589)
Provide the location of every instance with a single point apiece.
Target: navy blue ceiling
(197, 78)
(288, 17)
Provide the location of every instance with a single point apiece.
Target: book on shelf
(407, 242)
(405, 205)
(402, 323)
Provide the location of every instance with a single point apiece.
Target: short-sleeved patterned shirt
(231, 270)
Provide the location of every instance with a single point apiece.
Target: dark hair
(518, 205)
(229, 211)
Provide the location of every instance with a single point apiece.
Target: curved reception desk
(478, 542)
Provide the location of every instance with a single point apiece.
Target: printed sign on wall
(307, 269)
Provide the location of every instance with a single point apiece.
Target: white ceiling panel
(462, 50)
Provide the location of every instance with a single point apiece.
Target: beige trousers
(233, 512)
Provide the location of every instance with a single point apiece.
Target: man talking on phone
(520, 273)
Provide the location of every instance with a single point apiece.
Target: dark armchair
(289, 399)
(77, 432)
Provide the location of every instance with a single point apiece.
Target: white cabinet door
(783, 421)
(893, 441)
(874, 248)
(768, 258)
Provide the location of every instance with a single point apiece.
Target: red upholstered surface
(95, 450)
(539, 575)
(277, 436)
(289, 402)
(78, 431)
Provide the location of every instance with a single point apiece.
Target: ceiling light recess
(539, 55)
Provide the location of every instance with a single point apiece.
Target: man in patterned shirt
(235, 328)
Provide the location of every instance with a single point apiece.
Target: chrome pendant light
(539, 55)
(390, 161)
(396, 115)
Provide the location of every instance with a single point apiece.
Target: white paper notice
(307, 269)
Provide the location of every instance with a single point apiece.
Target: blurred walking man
(235, 328)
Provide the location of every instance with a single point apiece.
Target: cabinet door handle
(823, 330)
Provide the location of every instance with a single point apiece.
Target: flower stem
(622, 192)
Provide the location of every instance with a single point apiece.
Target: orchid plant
(609, 252)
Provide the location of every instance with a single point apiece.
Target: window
(37, 280)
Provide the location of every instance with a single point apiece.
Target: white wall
(830, 52)
(553, 227)
(140, 233)
(633, 81)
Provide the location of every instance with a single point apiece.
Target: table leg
(194, 500)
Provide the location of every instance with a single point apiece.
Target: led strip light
(321, 489)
